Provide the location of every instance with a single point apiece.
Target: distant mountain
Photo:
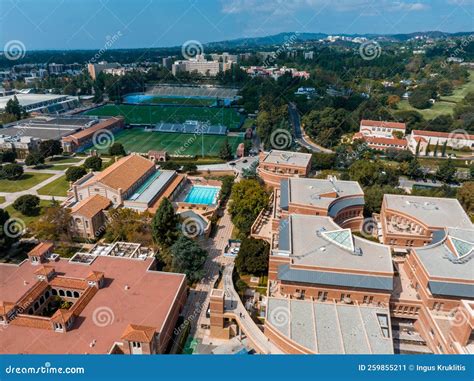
(279, 39)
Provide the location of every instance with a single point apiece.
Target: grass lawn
(446, 104)
(27, 181)
(26, 219)
(62, 160)
(461, 92)
(138, 140)
(58, 187)
(2, 199)
(137, 114)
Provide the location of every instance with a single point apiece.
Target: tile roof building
(108, 300)
(382, 135)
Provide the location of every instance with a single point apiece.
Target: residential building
(95, 69)
(110, 300)
(200, 65)
(381, 129)
(277, 165)
(422, 139)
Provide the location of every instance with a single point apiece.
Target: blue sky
(89, 24)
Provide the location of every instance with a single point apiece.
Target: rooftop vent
(358, 251)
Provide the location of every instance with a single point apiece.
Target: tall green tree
(252, 257)
(247, 199)
(164, 225)
(446, 171)
(188, 258)
(225, 152)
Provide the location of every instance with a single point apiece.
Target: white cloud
(278, 7)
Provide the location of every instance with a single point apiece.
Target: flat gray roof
(48, 126)
(332, 328)
(147, 192)
(308, 191)
(297, 159)
(432, 211)
(30, 99)
(308, 246)
(439, 261)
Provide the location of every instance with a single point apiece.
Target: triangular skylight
(462, 248)
(342, 238)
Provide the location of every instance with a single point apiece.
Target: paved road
(10, 197)
(300, 137)
(247, 325)
(238, 167)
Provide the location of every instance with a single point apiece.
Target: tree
(417, 151)
(443, 149)
(117, 149)
(127, 225)
(446, 171)
(8, 156)
(465, 195)
(34, 159)
(369, 173)
(373, 197)
(398, 134)
(6, 239)
(53, 224)
(164, 225)
(252, 257)
(75, 173)
(420, 98)
(11, 171)
(428, 149)
(13, 107)
(226, 188)
(188, 258)
(27, 205)
(321, 160)
(445, 88)
(49, 148)
(247, 199)
(94, 163)
(435, 152)
(414, 170)
(189, 167)
(225, 152)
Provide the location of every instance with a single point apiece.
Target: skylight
(463, 248)
(342, 238)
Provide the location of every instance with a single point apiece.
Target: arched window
(76, 294)
(47, 294)
(54, 291)
(36, 306)
(41, 299)
(69, 294)
(61, 293)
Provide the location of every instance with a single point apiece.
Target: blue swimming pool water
(202, 195)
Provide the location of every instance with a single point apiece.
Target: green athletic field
(181, 101)
(135, 114)
(138, 140)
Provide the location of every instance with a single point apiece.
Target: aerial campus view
(241, 177)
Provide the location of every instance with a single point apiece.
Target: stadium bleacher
(190, 127)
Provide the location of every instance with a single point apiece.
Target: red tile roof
(436, 134)
(124, 173)
(91, 206)
(379, 123)
(140, 333)
(89, 132)
(40, 249)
